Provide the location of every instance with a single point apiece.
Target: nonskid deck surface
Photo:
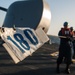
(40, 62)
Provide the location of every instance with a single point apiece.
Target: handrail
(4, 9)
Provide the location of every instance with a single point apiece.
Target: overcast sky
(61, 11)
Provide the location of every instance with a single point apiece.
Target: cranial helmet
(65, 24)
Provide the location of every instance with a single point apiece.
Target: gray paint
(24, 14)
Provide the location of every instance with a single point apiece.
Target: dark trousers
(64, 54)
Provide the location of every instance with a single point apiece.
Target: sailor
(74, 44)
(64, 48)
(71, 31)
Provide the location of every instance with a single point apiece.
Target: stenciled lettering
(32, 39)
(19, 38)
(24, 45)
(9, 38)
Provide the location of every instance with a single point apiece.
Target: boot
(67, 70)
(57, 69)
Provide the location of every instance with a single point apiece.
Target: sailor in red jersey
(64, 48)
(74, 33)
(74, 43)
(71, 31)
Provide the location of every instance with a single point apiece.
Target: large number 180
(24, 45)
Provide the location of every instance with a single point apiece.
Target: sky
(61, 11)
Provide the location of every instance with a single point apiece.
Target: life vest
(65, 31)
